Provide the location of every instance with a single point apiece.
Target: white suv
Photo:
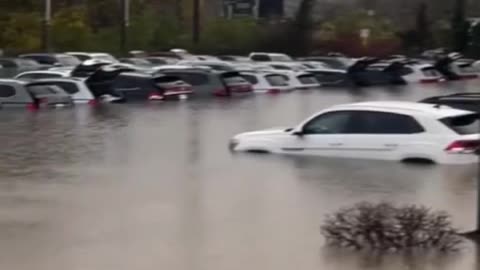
(375, 130)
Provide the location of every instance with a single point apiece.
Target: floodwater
(142, 187)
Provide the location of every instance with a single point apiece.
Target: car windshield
(139, 61)
(280, 58)
(27, 62)
(464, 125)
(104, 57)
(68, 60)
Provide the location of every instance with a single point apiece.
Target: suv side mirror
(298, 133)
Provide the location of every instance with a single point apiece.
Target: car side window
(260, 58)
(7, 64)
(7, 91)
(383, 123)
(328, 123)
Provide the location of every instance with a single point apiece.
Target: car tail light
(463, 147)
(273, 91)
(155, 96)
(93, 102)
(222, 92)
(32, 106)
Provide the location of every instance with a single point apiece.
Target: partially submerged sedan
(14, 93)
(402, 131)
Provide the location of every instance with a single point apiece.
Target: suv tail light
(463, 147)
(155, 95)
(32, 106)
(93, 102)
(222, 92)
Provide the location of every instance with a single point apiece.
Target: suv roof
(408, 108)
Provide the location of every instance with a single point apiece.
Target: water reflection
(149, 187)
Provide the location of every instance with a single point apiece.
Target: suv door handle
(335, 144)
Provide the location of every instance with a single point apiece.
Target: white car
(422, 73)
(401, 131)
(300, 80)
(267, 57)
(76, 88)
(268, 82)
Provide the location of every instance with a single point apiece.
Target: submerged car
(400, 131)
(206, 82)
(145, 87)
(268, 82)
(269, 57)
(421, 73)
(370, 72)
(14, 93)
(76, 88)
(13, 66)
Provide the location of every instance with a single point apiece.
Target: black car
(370, 72)
(463, 101)
(133, 86)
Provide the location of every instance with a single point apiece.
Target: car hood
(260, 133)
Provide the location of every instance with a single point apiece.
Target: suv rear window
(464, 125)
(39, 90)
(277, 80)
(307, 79)
(234, 80)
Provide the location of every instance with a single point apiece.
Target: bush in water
(385, 227)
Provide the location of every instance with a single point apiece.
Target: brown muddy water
(133, 187)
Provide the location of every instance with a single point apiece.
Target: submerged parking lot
(154, 187)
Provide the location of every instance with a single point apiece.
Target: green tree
(70, 30)
(21, 32)
(302, 28)
(460, 27)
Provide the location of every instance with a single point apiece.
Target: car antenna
(437, 106)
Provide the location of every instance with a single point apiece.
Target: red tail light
(93, 102)
(222, 92)
(463, 147)
(32, 106)
(273, 91)
(155, 96)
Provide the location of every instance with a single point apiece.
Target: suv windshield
(464, 125)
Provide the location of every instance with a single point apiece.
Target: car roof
(407, 108)
(57, 80)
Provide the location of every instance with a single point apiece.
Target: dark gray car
(209, 83)
(15, 93)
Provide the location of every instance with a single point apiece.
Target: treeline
(94, 25)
